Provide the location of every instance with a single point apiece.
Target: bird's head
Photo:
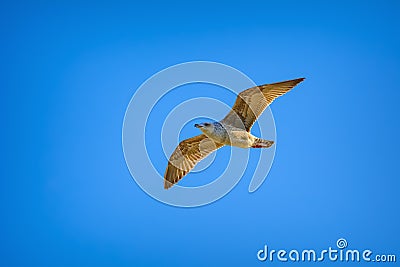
(206, 127)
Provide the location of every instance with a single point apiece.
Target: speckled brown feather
(252, 102)
(187, 154)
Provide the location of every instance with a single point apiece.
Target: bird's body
(233, 130)
(228, 135)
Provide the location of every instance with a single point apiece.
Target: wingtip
(167, 185)
(298, 80)
(293, 82)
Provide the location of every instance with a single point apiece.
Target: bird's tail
(261, 143)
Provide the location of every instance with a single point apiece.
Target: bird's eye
(206, 124)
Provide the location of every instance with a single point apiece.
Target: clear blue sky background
(68, 71)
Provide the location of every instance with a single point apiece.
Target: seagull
(233, 130)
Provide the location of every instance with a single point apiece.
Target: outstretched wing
(251, 103)
(186, 155)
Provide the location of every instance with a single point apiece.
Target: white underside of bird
(233, 130)
(232, 136)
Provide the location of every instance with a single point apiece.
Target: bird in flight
(233, 130)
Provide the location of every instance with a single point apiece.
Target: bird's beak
(198, 125)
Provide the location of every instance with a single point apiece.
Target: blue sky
(68, 71)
